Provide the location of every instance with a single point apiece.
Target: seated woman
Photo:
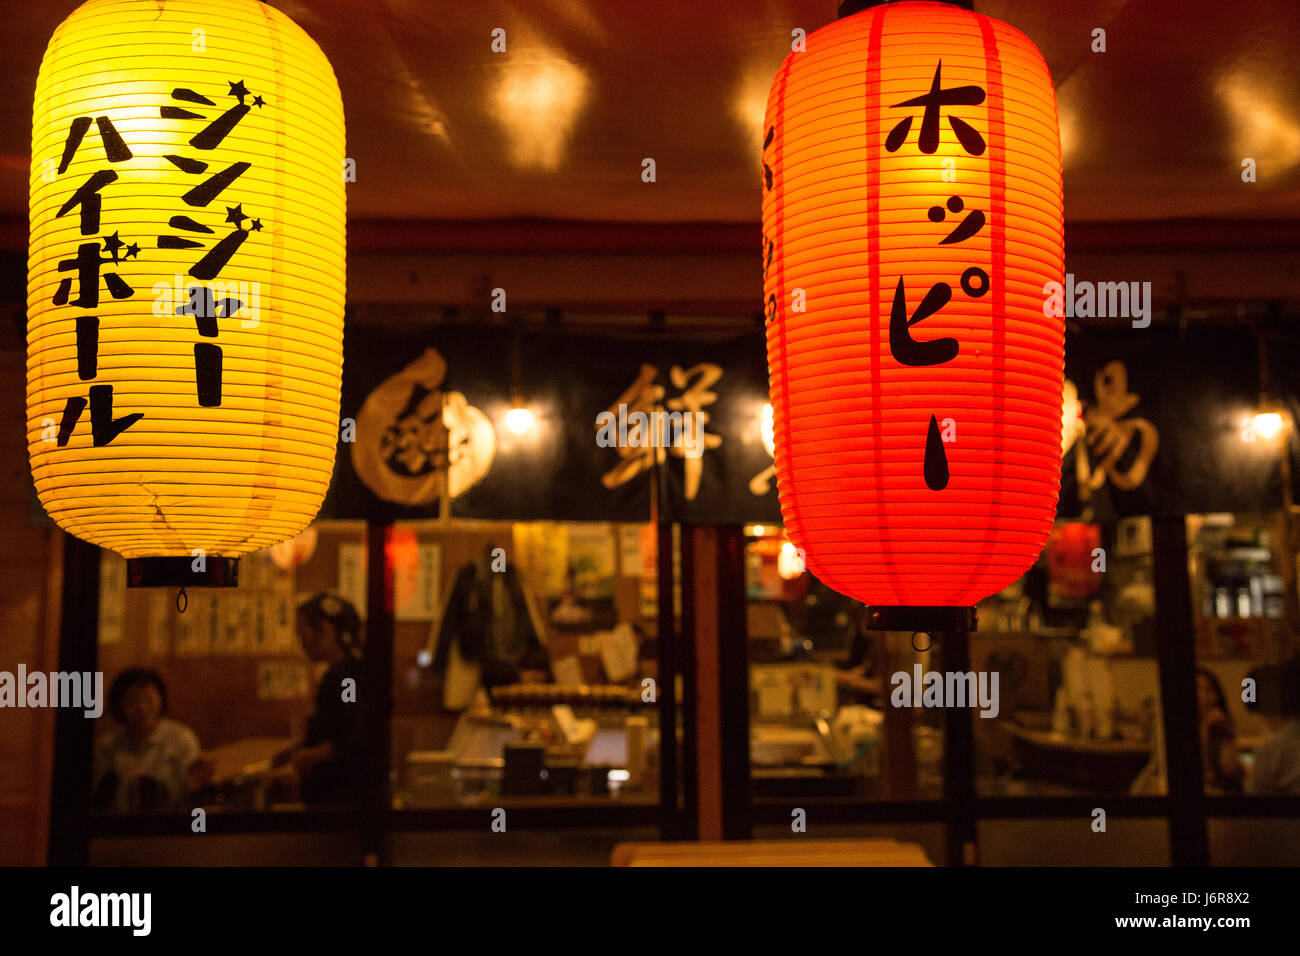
(329, 760)
(149, 761)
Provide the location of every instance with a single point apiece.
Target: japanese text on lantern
(205, 303)
(974, 280)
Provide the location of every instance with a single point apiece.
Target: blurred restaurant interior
(621, 648)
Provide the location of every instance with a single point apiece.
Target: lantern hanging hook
(928, 636)
(182, 600)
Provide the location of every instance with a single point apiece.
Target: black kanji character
(207, 373)
(933, 102)
(88, 198)
(210, 136)
(767, 170)
(205, 309)
(87, 346)
(935, 467)
(216, 258)
(901, 344)
(115, 147)
(87, 265)
(103, 426)
(212, 187)
(968, 227)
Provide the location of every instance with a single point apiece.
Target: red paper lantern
(911, 219)
(1070, 557)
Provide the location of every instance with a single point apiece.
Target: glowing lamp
(519, 420)
(789, 562)
(1268, 425)
(911, 218)
(185, 282)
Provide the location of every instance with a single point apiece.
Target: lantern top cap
(849, 7)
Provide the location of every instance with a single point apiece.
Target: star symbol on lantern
(256, 225)
(236, 215)
(111, 245)
(258, 101)
(132, 251)
(238, 90)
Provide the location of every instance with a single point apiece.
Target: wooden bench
(791, 852)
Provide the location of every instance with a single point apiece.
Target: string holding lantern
(912, 215)
(185, 282)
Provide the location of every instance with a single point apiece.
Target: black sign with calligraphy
(1161, 425)
(606, 411)
(1157, 426)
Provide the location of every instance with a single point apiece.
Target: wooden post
(714, 556)
(1176, 649)
(74, 735)
(376, 694)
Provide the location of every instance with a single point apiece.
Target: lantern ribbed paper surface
(185, 276)
(911, 218)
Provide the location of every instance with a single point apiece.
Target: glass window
(820, 724)
(226, 698)
(525, 664)
(1073, 648)
(1245, 653)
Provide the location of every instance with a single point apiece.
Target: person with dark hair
(1219, 756)
(328, 761)
(149, 761)
(855, 676)
(1276, 771)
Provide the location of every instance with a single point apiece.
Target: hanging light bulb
(519, 419)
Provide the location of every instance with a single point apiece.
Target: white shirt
(1277, 762)
(165, 756)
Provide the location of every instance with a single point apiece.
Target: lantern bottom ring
(931, 619)
(179, 572)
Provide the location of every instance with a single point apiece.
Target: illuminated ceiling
(557, 126)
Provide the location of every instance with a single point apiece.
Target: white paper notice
(112, 597)
(162, 609)
(191, 628)
(232, 624)
(629, 550)
(283, 680)
(567, 671)
(417, 586)
(618, 652)
(352, 575)
(285, 640)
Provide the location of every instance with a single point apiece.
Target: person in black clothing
(328, 761)
(856, 677)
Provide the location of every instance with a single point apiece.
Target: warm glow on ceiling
(537, 100)
(1261, 130)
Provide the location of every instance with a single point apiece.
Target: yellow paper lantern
(185, 277)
